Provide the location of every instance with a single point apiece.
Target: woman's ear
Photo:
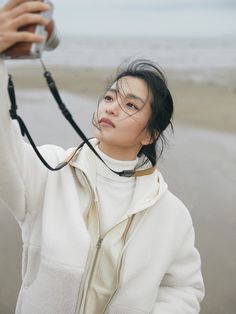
(149, 139)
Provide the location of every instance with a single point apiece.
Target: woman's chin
(100, 136)
(97, 134)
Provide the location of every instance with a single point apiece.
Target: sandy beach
(199, 165)
(198, 102)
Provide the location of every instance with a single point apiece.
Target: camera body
(26, 50)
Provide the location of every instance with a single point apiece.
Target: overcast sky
(149, 3)
(173, 18)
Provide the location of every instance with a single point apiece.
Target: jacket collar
(148, 188)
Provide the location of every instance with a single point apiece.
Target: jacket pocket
(54, 290)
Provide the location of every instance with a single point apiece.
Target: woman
(95, 241)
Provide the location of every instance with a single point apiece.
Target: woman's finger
(28, 7)
(9, 39)
(28, 37)
(27, 19)
(11, 4)
(15, 37)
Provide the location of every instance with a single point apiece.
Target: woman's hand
(15, 14)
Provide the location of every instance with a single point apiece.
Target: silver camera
(25, 50)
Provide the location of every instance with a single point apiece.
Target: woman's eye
(108, 98)
(131, 106)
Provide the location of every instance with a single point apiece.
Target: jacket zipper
(89, 269)
(98, 246)
(93, 263)
(120, 264)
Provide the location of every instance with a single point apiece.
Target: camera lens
(54, 37)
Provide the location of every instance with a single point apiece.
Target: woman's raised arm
(21, 172)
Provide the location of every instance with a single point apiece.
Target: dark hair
(161, 102)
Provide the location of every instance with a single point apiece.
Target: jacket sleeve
(182, 288)
(20, 171)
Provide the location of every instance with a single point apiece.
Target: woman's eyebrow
(113, 90)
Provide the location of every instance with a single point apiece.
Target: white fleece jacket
(161, 271)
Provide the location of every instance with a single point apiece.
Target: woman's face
(122, 116)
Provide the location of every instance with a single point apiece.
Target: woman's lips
(106, 122)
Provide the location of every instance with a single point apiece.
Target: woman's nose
(113, 108)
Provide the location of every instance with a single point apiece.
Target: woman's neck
(114, 164)
(119, 153)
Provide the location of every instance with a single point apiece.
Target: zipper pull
(99, 243)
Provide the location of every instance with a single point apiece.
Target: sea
(200, 57)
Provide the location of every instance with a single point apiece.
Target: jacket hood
(148, 188)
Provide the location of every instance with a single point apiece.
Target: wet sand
(199, 165)
(210, 104)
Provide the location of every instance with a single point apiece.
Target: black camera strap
(23, 128)
(66, 113)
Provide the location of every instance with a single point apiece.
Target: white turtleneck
(115, 193)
